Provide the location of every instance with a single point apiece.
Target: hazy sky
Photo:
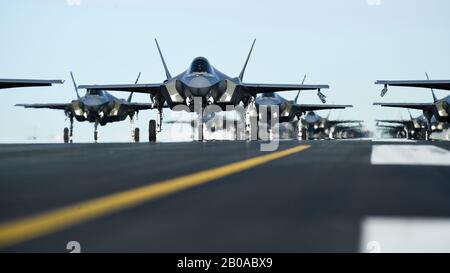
(346, 44)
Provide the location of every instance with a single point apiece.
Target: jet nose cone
(199, 82)
(199, 85)
(93, 102)
(267, 101)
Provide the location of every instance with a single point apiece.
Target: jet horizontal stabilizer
(418, 106)
(435, 84)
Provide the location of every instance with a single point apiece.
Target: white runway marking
(388, 235)
(409, 155)
(401, 140)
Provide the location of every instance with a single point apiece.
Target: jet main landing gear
(134, 131)
(68, 132)
(152, 130)
(155, 126)
(136, 135)
(66, 135)
(301, 130)
(251, 120)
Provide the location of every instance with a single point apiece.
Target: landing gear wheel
(304, 136)
(201, 131)
(136, 134)
(66, 135)
(239, 130)
(152, 130)
(95, 136)
(424, 134)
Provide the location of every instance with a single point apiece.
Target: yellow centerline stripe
(27, 228)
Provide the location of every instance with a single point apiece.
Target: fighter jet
(392, 131)
(290, 110)
(320, 127)
(96, 106)
(14, 83)
(203, 81)
(415, 128)
(343, 131)
(439, 109)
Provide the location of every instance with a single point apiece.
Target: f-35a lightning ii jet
(320, 127)
(204, 81)
(392, 130)
(348, 131)
(291, 110)
(439, 109)
(98, 107)
(414, 128)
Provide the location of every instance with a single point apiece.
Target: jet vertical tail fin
(74, 85)
(298, 93)
(241, 75)
(410, 115)
(135, 82)
(163, 61)
(432, 91)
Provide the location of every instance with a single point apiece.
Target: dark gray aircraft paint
(413, 128)
(98, 107)
(392, 130)
(323, 127)
(201, 80)
(344, 131)
(15, 83)
(325, 122)
(290, 109)
(439, 108)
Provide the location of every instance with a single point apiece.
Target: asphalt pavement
(311, 199)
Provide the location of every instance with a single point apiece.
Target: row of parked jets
(203, 89)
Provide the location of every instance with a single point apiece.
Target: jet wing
(148, 88)
(390, 126)
(140, 106)
(259, 88)
(342, 121)
(393, 121)
(191, 122)
(13, 83)
(314, 107)
(418, 106)
(340, 126)
(442, 84)
(57, 106)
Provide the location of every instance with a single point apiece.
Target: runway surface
(310, 196)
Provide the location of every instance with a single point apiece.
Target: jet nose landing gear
(66, 135)
(96, 132)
